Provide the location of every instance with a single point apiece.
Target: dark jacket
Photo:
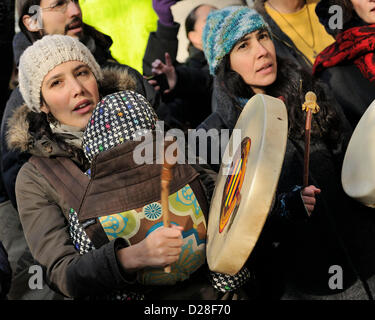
(5, 273)
(6, 36)
(285, 47)
(164, 39)
(12, 161)
(351, 89)
(189, 103)
(338, 233)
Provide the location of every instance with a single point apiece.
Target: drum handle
(310, 106)
(307, 149)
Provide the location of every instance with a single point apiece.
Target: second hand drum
(358, 170)
(246, 186)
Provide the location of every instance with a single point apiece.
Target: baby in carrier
(119, 122)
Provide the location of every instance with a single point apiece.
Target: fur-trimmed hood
(41, 143)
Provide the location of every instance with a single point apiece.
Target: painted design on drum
(233, 184)
(183, 203)
(125, 224)
(191, 258)
(152, 211)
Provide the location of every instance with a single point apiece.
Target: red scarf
(355, 45)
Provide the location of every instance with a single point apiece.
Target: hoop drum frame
(243, 198)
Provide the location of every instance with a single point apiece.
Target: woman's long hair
(292, 83)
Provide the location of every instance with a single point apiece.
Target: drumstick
(307, 149)
(310, 106)
(166, 177)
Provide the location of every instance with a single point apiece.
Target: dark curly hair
(292, 83)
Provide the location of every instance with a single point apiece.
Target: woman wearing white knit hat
(58, 75)
(61, 84)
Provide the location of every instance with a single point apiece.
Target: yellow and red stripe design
(233, 185)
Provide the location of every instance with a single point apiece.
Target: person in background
(188, 96)
(295, 28)
(57, 17)
(6, 36)
(12, 239)
(348, 65)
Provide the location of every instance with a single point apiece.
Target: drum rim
(211, 236)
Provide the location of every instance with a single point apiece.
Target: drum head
(358, 170)
(246, 183)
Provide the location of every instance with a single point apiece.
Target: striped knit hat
(118, 117)
(224, 28)
(44, 55)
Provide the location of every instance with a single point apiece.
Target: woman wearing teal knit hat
(239, 49)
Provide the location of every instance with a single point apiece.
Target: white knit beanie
(42, 57)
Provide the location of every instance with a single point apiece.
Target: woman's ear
(193, 37)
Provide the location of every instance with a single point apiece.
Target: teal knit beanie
(224, 28)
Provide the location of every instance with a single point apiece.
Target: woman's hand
(161, 248)
(158, 67)
(308, 197)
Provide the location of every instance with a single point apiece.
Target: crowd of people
(75, 202)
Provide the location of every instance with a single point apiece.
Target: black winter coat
(189, 103)
(351, 89)
(6, 36)
(5, 273)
